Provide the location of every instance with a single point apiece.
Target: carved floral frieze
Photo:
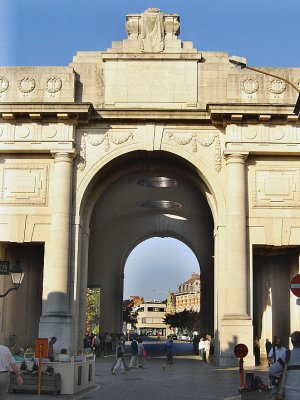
(196, 138)
(105, 139)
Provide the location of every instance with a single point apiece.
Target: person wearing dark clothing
(169, 349)
(256, 351)
(134, 354)
(268, 347)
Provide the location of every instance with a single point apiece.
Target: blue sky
(50, 32)
(158, 264)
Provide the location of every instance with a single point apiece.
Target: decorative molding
(106, 139)
(297, 83)
(22, 184)
(276, 187)
(249, 86)
(152, 31)
(195, 138)
(81, 161)
(26, 84)
(277, 87)
(4, 84)
(53, 85)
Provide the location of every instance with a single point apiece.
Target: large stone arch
(169, 164)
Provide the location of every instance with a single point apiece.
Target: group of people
(206, 347)
(138, 355)
(100, 344)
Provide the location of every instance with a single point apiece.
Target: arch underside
(126, 214)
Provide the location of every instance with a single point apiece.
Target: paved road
(189, 379)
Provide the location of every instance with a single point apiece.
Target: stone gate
(151, 137)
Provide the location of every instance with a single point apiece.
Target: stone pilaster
(236, 271)
(236, 321)
(56, 318)
(3, 256)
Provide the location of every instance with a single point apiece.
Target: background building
(188, 294)
(150, 318)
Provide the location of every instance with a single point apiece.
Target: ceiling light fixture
(158, 181)
(162, 204)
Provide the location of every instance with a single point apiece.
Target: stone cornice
(151, 114)
(228, 113)
(151, 56)
(68, 112)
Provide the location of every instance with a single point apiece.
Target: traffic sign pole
(240, 351)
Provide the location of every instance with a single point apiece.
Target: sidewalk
(189, 378)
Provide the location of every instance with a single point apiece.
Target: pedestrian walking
(7, 362)
(134, 354)
(201, 347)
(206, 348)
(169, 349)
(121, 341)
(291, 383)
(96, 345)
(119, 358)
(141, 353)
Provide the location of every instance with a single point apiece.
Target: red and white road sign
(295, 285)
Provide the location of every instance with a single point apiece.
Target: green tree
(129, 316)
(92, 308)
(184, 320)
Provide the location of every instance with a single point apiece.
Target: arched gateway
(94, 155)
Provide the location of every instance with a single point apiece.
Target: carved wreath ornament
(53, 85)
(249, 86)
(106, 139)
(3, 84)
(26, 85)
(194, 140)
(277, 86)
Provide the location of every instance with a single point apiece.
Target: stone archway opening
(156, 195)
(161, 275)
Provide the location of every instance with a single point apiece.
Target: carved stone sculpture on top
(152, 31)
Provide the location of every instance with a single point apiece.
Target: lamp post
(241, 62)
(17, 275)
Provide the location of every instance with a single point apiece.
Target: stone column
(56, 318)
(236, 324)
(236, 266)
(83, 260)
(3, 256)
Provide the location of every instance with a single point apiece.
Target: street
(189, 378)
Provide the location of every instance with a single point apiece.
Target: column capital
(63, 155)
(235, 156)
